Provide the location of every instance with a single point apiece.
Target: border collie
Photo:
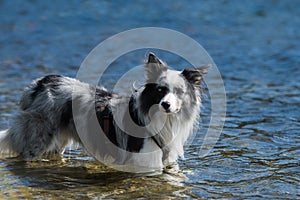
(146, 130)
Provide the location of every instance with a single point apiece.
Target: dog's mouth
(169, 112)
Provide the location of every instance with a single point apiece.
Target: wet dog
(146, 130)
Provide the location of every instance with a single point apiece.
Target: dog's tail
(6, 149)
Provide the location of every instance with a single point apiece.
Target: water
(254, 44)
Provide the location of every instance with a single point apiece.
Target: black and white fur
(45, 123)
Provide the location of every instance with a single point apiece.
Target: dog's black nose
(166, 105)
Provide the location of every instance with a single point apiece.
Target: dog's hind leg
(31, 136)
(5, 146)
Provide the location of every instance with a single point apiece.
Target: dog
(162, 114)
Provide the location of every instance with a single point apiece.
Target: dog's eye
(179, 91)
(161, 89)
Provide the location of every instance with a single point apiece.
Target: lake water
(255, 45)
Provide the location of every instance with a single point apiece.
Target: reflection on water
(80, 177)
(254, 44)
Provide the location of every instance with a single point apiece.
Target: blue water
(255, 45)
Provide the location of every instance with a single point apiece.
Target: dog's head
(170, 89)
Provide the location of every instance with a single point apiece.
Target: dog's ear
(195, 76)
(154, 67)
